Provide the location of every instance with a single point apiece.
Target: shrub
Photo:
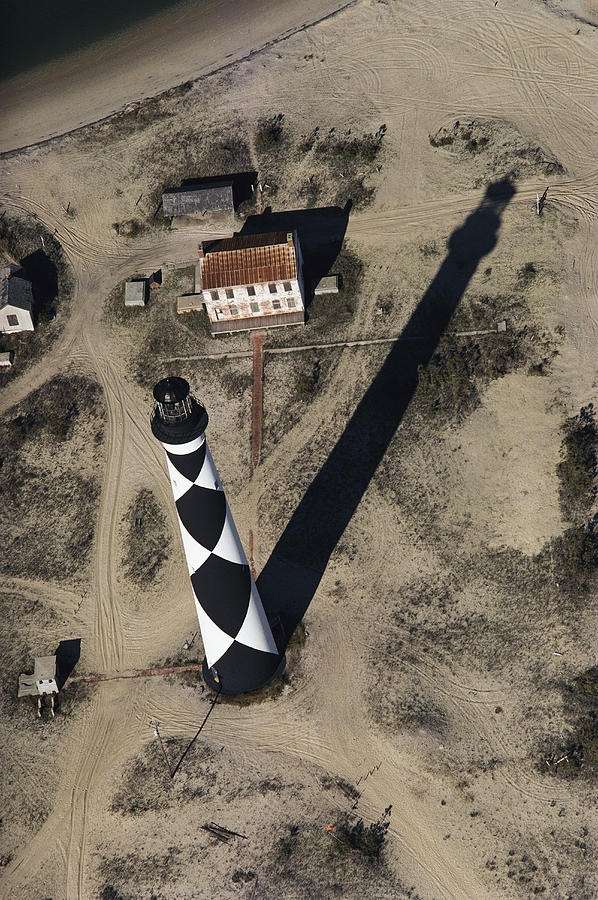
(147, 539)
(575, 754)
(346, 151)
(369, 840)
(442, 138)
(526, 275)
(310, 191)
(447, 385)
(577, 470)
(575, 555)
(269, 132)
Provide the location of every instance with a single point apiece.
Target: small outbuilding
(201, 198)
(6, 360)
(16, 301)
(136, 292)
(327, 285)
(41, 683)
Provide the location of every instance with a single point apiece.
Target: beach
(178, 44)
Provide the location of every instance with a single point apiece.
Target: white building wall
(24, 320)
(221, 306)
(300, 274)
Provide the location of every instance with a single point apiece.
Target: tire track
(92, 754)
(67, 602)
(108, 622)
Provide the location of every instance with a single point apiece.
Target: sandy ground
(468, 801)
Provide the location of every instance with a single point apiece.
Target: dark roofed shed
(197, 200)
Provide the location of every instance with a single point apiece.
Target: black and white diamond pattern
(236, 634)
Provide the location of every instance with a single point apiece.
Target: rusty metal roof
(249, 259)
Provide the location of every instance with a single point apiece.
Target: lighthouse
(240, 651)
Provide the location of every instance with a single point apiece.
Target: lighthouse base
(218, 684)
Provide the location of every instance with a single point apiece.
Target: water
(38, 31)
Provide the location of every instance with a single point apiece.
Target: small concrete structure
(16, 301)
(6, 360)
(189, 303)
(327, 285)
(502, 326)
(42, 682)
(136, 292)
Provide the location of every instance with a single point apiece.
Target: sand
(424, 604)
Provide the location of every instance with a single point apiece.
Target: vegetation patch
(485, 611)
(335, 782)
(49, 485)
(574, 753)
(116, 313)
(147, 539)
(339, 858)
(156, 331)
(323, 167)
(349, 158)
(292, 382)
(148, 787)
(131, 875)
(526, 275)
(132, 119)
(411, 709)
(451, 385)
(329, 312)
(577, 470)
(270, 133)
(495, 149)
(30, 244)
(575, 558)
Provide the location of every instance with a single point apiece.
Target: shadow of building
(321, 233)
(43, 275)
(67, 654)
(291, 576)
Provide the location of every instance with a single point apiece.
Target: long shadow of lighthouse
(291, 576)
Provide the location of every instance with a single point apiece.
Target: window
(272, 288)
(251, 290)
(218, 312)
(234, 310)
(255, 307)
(214, 295)
(291, 302)
(13, 320)
(229, 293)
(287, 286)
(276, 304)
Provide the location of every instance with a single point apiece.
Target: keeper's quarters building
(252, 281)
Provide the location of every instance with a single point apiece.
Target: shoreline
(191, 45)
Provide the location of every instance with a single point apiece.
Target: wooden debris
(221, 833)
